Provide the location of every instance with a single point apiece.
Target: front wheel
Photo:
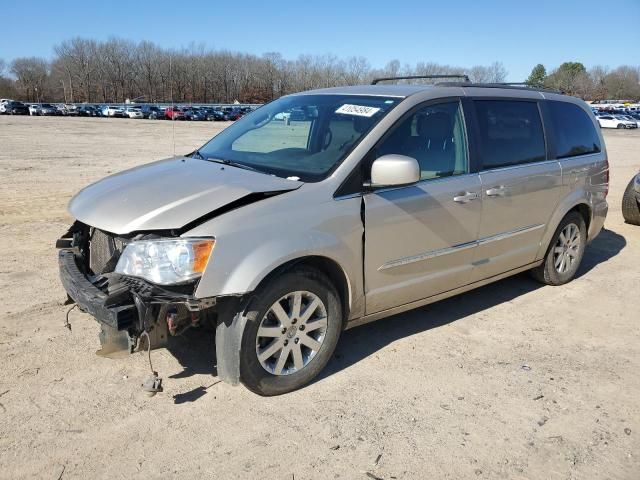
(620, 126)
(565, 252)
(293, 326)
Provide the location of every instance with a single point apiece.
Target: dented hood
(168, 194)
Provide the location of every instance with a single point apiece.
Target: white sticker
(359, 110)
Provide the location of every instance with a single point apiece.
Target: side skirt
(440, 296)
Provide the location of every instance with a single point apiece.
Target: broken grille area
(104, 251)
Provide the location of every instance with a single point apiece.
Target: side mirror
(394, 171)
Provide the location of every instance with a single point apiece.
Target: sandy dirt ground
(511, 381)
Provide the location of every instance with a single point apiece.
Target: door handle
(497, 191)
(466, 197)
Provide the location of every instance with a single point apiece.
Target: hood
(168, 194)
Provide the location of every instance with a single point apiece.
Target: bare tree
(623, 83)
(494, 73)
(7, 85)
(31, 74)
(79, 55)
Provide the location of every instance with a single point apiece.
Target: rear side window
(573, 129)
(510, 133)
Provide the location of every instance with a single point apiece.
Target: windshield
(303, 136)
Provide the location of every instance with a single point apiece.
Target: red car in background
(174, 113)
(235, 114)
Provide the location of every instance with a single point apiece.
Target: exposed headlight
(166, 262)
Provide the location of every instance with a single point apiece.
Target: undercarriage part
(152, 384)
(115, 343)
(179, 318)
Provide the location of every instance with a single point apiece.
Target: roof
(403, 91)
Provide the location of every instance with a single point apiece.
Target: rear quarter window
(574, 131)
(510, 133)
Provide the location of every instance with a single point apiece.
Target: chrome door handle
(497, 191)
(466, 197)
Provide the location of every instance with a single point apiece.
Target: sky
(461, 32)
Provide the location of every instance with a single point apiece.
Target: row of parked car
(175, 112)
(153, 112)
(620, 118)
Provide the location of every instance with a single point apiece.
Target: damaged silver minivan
(328, 209)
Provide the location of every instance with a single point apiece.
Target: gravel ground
(511, 381)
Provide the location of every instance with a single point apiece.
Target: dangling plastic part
(153, 384)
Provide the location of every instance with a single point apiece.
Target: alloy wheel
(291, 333)
(567, 248)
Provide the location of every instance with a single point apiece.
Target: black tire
(630, 206)
(547, 272)
(252, 374)
(620, 125)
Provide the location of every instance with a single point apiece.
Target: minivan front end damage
(125, 306)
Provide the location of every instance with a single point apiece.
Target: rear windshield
(301, 136)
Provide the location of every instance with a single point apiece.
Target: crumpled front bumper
(125, 307)
(107, 308)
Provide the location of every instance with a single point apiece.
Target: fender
(257, 239)
(565, 205)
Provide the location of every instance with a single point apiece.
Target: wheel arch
(326, 266)
(585, 211)
(231, 323)
(580, 206)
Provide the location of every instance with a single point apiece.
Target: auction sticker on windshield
(359, 110)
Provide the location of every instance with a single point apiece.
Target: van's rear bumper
(598, 216)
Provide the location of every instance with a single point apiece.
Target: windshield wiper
(226, 161)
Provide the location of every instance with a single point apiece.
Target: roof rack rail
(414, 77)
(509, 85)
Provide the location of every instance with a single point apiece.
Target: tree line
(87, 70)
(597, 83)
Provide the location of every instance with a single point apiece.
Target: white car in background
(615, 121)
(282, 116)
(112, 111)
(3, 102)
(34, 109)
(133, 112)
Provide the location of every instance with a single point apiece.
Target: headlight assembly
(166, 261)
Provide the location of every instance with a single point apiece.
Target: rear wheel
(564, 253)
(630, 206)
(293, 326)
